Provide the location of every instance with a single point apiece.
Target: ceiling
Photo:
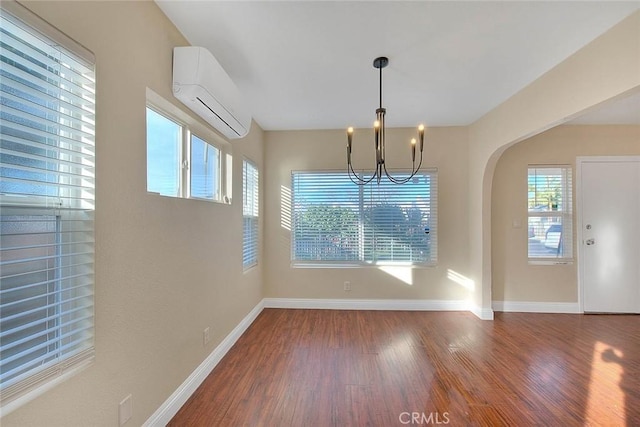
(308, 64)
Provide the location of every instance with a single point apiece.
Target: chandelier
(380, 144)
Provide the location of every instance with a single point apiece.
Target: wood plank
(380, 368)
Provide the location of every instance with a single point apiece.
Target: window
(164, 148)
(47, 136)
(181, 163)
(250, 212)
(205, 170)
(338, 222)
(550, 225)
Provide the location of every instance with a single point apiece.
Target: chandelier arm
(398, 180)
(403, 180)
(414, 170)
(359, 181)
(419, 164)
(353, 175)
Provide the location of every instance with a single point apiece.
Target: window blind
(250, 213)
(204, 169)
(550, 212)
(337, 222)
(47, 159)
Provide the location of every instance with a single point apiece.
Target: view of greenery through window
(338, 221)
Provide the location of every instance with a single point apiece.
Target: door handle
(590, 242)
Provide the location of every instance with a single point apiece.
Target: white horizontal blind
(204, 169)
(550, 213)
(338, 222)
(250, 213)
(47, 159)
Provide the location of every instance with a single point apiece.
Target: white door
(610, 234)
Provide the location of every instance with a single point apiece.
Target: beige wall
(445, 149)
(165, 268)
(606, 68)
(513, 278)
(168, 268)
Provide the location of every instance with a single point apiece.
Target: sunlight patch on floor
(606, 400)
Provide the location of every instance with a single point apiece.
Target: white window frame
(218, 171)
(363, 263)
(564, 249)
(251, 212)
(191, 126)
(182, 172)
(74, 203)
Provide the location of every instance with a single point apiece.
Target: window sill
(550, 262)
(44, 386)
(225, 201)
(364, 265)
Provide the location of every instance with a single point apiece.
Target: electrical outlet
(125, 410)
(347, 286)
(205, 336)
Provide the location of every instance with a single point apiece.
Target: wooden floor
(392, 368)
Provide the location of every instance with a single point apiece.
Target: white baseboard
(536, 307)
(172, 405)
(482, 313)
(367, 304)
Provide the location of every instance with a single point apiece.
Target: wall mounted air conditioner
(201, 83)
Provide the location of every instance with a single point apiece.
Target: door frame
(580, 160)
